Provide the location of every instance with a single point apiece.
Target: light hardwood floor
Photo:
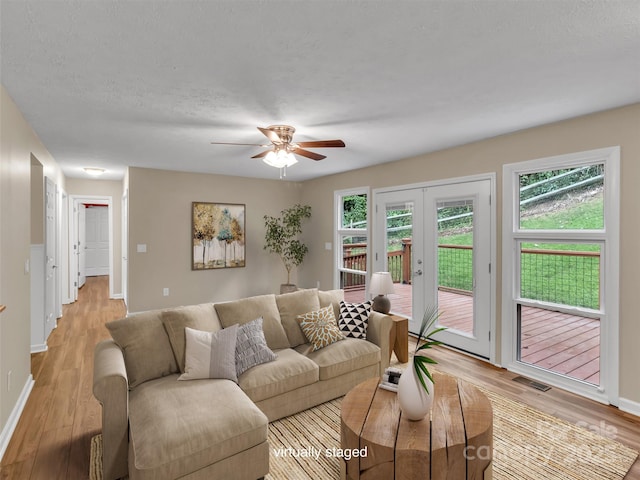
(53, 436)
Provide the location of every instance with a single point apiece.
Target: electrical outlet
(165, 292)
(9, 381)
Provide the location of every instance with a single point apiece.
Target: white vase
(415, 403)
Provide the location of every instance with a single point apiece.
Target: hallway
(52, 439)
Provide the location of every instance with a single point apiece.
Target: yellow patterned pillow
(320, 327)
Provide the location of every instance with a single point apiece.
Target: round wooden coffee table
(457, 442)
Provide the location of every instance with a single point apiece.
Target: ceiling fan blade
(247, 144)
(308, 154)
(262, 154)
(271, 135)
(321, 144)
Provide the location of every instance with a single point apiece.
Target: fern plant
(427, 331)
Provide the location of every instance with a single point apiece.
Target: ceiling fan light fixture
(280, 159)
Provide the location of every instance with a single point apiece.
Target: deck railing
(559, 276)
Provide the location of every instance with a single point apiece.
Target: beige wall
(614, 127)
(113, 189)
(37, 202)
(18, 143)
(160, 217)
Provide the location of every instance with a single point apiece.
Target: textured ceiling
(152, 83)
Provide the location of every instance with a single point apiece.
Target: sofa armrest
(379, 332)
(111, 388)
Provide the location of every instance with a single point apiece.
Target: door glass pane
(551, 336)
(455, 265)
(399, 236)
(568, 199)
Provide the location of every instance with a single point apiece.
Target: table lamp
(381, 285)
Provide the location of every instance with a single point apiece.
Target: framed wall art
(218, 235)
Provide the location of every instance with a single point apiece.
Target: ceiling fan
(282, 148)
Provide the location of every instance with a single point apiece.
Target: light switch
(327, 246)
(142, 248)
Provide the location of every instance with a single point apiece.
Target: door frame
(491, 176)
(74, 201)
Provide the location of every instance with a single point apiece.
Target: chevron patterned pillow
(354, 319)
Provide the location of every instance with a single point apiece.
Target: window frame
(341, 232)
(608, 237)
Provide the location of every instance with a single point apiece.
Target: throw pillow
(198, 317)
(354, 318)
(145, 345)
(320, 327)
(331, 297)
(290, 306)
(251, 347)
(210, 354)
(248, 309)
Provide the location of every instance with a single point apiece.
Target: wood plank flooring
(52, 439)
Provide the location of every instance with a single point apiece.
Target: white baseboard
(39, 348)
(629, 406)
(12, 421)
(117, 296)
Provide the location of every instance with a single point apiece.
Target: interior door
(458, 262)
(96, 240)
(125, 245)
(50, 257)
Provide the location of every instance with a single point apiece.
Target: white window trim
(339, 232)
(608, 391)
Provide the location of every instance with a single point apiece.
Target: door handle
(417, 273)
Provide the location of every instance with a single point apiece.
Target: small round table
(456, 442)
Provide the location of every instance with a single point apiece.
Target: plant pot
(288, 288)
(415, 403)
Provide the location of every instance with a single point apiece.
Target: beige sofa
(155, 427)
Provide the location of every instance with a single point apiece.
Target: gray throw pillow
(251, 347)
(210, 354)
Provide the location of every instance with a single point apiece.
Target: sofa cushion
(331, 297)
(288, 372)
(320, 327)
(342, 357)
(210, 354)
(198, 317)
(290, 306)
(354, 318)
(248, 309)
(251, 347)
(180, 427)
(145, 345)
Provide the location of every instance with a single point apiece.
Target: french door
(436, 243)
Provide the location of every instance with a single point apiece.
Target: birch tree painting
(218, 235)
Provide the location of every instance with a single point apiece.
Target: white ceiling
(152, 83)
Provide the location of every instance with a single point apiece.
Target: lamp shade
(381, 284)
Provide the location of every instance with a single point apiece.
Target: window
(352, 245)
(560, 250)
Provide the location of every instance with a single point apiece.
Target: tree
(204, 226)
(237, 235)
(281, 236)
(225, 237)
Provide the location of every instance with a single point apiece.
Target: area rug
(528, 445)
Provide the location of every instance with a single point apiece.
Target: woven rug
(528, 445)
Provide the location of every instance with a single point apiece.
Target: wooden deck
(556, 341)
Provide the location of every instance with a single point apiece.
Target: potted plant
(281, 237)
(415, 389)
